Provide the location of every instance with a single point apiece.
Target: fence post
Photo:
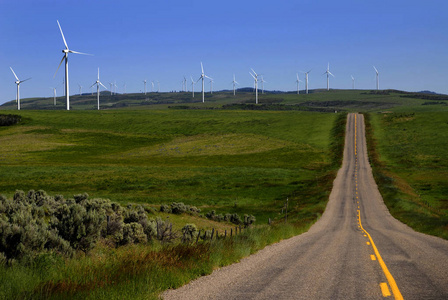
(199, 233)
(225, 233)
(213, 231)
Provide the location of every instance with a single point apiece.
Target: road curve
(357, 250)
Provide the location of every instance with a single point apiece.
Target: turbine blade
(93, 84)
(202, 68)
(103, 85)
(14, 74)
(25, 80)
(62, 34)
(63, 57)
(208, 77)
(330, 73)
(252, 75)
(76, 52)
(254, 72)
(375, 69)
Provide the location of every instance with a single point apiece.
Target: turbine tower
(211, 86)
(54, 95)
(255, 76)
(158, 86)
(18, 82)
(202, 77)
(262, 85)
(144, 81)
(66, 51)
(377, 79)
(234, 82)
(98, 83)
(192, 85)
(306, 80)
(152, 86)
(328, 76)
(298, 80)
(353, 82)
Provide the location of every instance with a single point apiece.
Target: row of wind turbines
(98, 83)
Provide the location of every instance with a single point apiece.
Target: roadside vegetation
(410, 164)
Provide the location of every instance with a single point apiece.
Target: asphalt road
(357, 250)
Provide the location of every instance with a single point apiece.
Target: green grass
(410, 161)
(205, 158)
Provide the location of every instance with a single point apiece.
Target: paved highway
(357, 250)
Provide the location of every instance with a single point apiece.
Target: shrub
(248, 220)
(133, 234)
(189, 231)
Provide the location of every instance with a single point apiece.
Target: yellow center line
(389, 276)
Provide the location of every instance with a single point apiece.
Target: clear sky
(164, 40)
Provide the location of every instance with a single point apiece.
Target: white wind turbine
(234, 82)
(353, 82)
(80, 89)
(203, 76)
(255, 76)
(298, 80)
(98, 83)
(377, 79)
(192, 85)
(144, 81)
(66, 51)
(111, 88)
(18, 82)
(211, 86)
(54, 95)
(306, 80)
(262, 84)
(328, 76)
(158, 86)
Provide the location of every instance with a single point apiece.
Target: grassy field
(411, 164)
(229, 161)
(233, 161)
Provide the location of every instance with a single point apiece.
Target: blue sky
(164, 40)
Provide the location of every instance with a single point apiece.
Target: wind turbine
(234, 82)
(306, 80)
(298, 80)
(80, 89)
(98, 83)
(192, 85)
(18, 82)
(54, 95)
(255, 76)
(66, 51)
(185, 85)
(144, 81)
(211, 86)
(112, 88)
(152, 86)
(202, 77)
(328, 76)
(353, 82)
(158, 86)
(377, 79)
(262, 85)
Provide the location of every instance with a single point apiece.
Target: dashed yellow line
(385, 289)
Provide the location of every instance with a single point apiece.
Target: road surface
(357, 250)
